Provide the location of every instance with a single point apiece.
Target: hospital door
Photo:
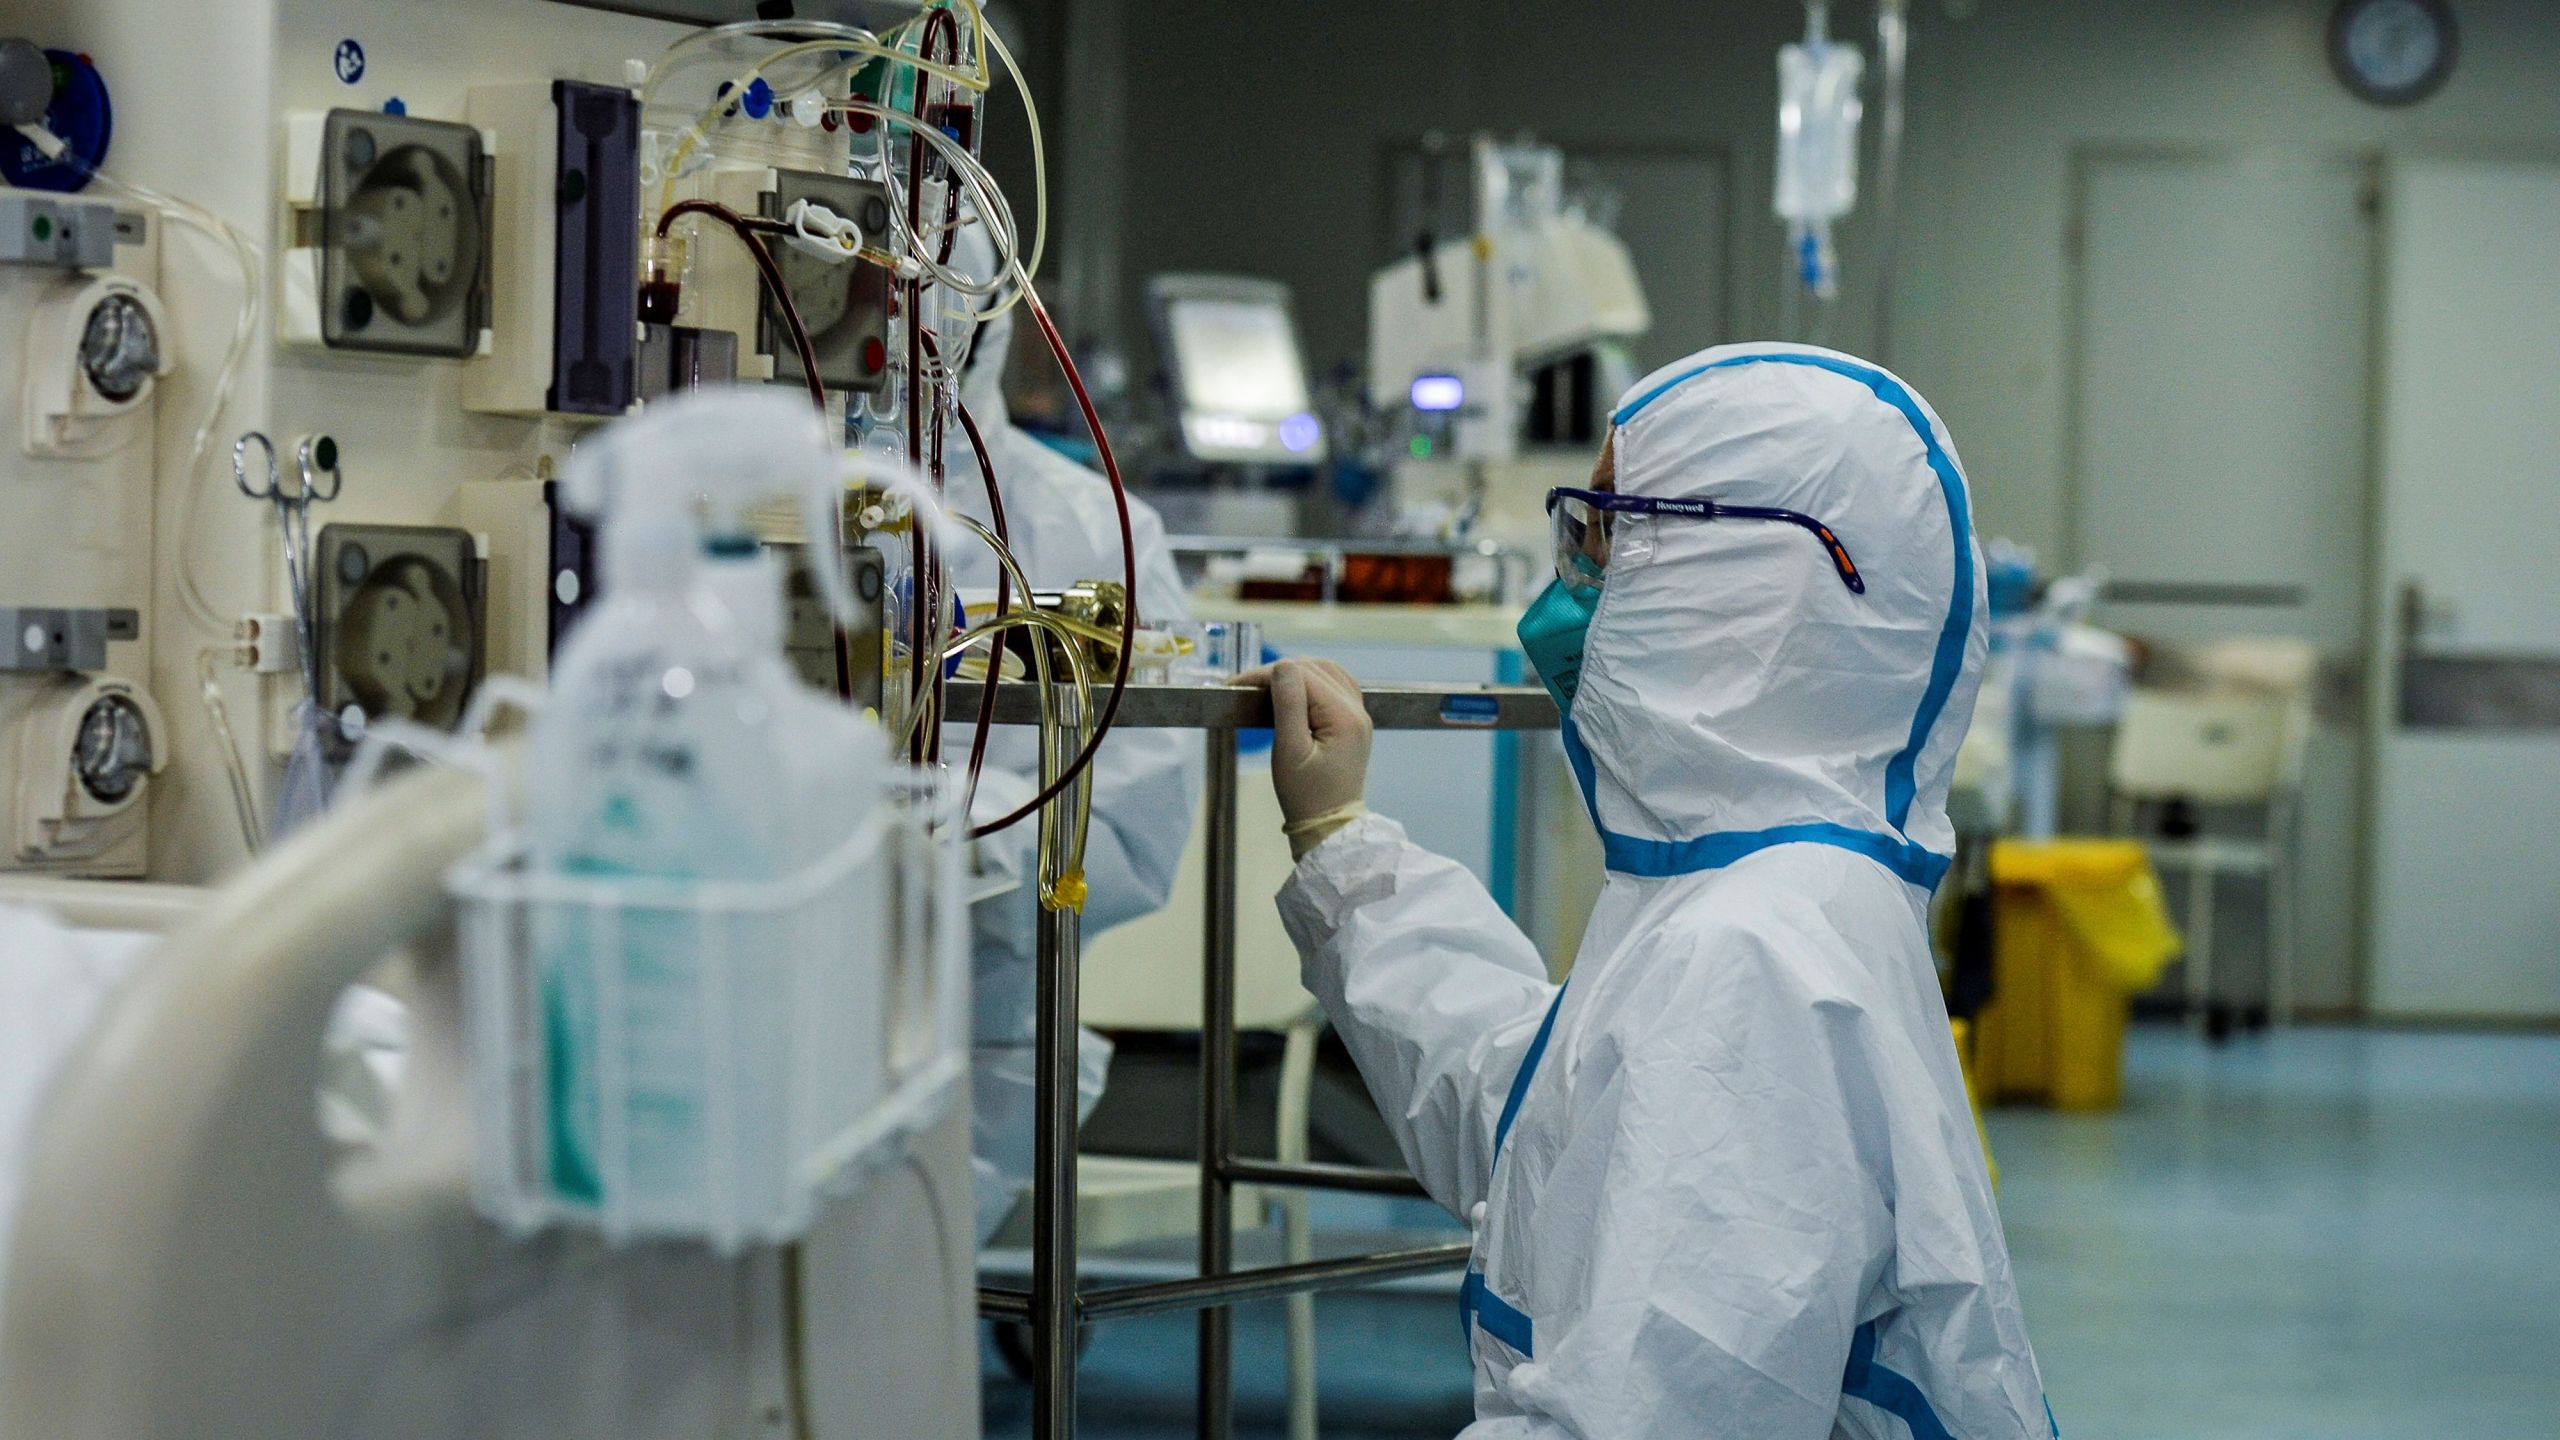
(2465, 706)
(2219, 454)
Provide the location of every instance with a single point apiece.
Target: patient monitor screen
(1238, 357)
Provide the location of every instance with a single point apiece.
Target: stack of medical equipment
(713, 949)
(1534, 303)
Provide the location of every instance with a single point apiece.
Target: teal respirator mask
(1551, 634)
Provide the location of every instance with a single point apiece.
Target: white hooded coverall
(1064, 529)
(1725, 1182)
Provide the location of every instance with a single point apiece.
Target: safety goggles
(1579, 522)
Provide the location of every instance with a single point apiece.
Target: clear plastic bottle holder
(711, 1059)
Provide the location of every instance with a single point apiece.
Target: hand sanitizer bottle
(678, 750)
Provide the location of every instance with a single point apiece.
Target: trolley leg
(1218, 1084)
(1054, 1312)
(1053, 1196)
(2200, 990)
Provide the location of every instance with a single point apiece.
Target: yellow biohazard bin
(1962, 1031)
(2079, 929)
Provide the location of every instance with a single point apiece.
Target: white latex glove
(1319, 747)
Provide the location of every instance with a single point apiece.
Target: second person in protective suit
(1064, 530)
(1724, 1181)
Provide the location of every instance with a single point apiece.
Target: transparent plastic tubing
(995, 672)
(1128, 573)
(839, 41)
(1893, 41)
(925, 686)
(1068, 775)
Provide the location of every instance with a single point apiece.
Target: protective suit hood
(1724, 1181)
(1735, 695)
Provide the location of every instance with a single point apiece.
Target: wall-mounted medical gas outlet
(38, 229)
(40, 639)
(845, 305)
(396, 621)
(390, 234)
(88, 748)
(96, 347)
(565, 265)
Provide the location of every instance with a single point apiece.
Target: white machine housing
(254, 1290)
(76, 532)
(1505, 303)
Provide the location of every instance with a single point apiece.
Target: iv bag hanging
(1818, 113)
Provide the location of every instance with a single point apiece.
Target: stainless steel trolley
(1054, 1307)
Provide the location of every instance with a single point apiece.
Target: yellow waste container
(2078, 930)
(1962, 1031)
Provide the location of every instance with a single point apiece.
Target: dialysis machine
(303, 303)
(1499, 352)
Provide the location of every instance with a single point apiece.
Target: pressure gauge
(2393, 52)
(120, 347)
(113, 753)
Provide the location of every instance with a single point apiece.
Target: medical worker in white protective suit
(1724, 1181)
(1064, 529)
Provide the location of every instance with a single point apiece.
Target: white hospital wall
(2005, 96)
(1256, 137)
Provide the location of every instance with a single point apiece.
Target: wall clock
(2393, 52)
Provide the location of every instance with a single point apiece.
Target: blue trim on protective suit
(1655, 858)
(1507, 670)
(1888, 1389)
(1477, 1304)
(1528, 1067)
(1495, 1316)
(1660, 859)
(1578, 755)
(1948, 661)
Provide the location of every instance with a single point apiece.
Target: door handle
(2419, 615)
(2465, 691)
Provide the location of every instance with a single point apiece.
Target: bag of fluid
(311, 773)
(1818, 112)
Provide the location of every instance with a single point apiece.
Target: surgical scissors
(316, 456)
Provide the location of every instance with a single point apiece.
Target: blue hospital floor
(2328, 1234)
